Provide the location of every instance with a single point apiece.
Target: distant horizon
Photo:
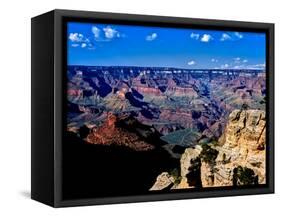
(128, 45)
(172, 67)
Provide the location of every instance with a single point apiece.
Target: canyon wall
(237, 159)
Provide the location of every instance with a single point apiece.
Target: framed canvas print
(130, 108)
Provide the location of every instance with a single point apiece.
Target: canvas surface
(154, 109)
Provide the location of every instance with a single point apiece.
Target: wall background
(15, 106)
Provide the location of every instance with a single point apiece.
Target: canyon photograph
(158, 109)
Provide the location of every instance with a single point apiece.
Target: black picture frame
(48, 103)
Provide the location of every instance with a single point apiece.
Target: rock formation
(239, 160)
(187, 161)
(244, 146)
(163, 181)
(125, 131)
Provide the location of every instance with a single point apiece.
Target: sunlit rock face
(239, 160)
(244, 146)
(163, 181)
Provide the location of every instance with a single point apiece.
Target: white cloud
(206, 38)
(191, 62)
(237, 60)
(231, 36)
(238, 35)
(257, 66)
(110, 33)
(96, 31)
(79, 40)
(91, 47)
(214, 60)
(76, 37)
(105, 34)
(224, 66)
(241, 66)
(194, 36)
(151, 37)
(244, 66)
(225, 37)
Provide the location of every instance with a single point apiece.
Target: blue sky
(126, 45)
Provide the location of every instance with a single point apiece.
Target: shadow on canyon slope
(99, 170)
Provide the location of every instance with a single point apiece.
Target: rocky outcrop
(125, 131)
(244, 146)
(181, 91)
(188, 160)
(207, 174)
(239, 160)
(189, 176)
(163, 181)
(148, 91)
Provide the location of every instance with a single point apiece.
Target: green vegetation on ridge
(185, 137)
